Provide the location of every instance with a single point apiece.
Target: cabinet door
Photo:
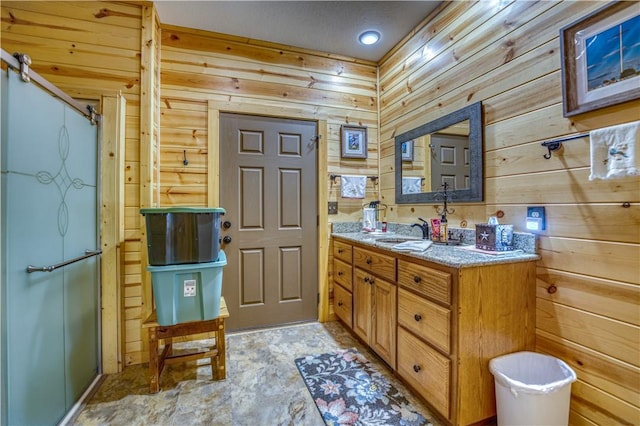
(383, 330)
(362, 288)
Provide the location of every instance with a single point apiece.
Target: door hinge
(316, 140)
(318, 299)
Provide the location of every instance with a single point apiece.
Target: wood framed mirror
(448, 149)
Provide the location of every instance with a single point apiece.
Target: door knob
(226, 224)
(226, 239)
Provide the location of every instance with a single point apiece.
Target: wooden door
(268, 186)
(451, 162)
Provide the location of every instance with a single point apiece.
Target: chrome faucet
(424, 227)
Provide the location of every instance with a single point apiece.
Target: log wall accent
(112, 229)
(149, 153)
(508, 57)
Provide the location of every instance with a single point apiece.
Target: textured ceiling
(326, 26)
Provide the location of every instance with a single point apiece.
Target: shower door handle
(50, 268)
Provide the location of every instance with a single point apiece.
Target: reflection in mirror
(446, 150)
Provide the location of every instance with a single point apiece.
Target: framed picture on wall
(600, 58)
(407, 151)
(354, 142)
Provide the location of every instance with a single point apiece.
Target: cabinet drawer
(425, 319)
(426, 281)
(342, 251)
(342, 274)
(426, 370)
(377, 263)
(342, 305)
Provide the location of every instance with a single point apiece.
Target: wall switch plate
(333, 207)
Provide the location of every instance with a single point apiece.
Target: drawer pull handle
(417, 279)
(416, 368)
(417, 317)
(366, 279)
(371, 281)
(340, 303)
(369, 261)
(340, 274)
(340, 251)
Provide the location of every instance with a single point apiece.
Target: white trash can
(532, 389)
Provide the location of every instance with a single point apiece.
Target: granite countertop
(449, 255)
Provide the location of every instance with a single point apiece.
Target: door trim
(213, 196)
(112, 229)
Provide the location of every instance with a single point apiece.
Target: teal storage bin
(178, 235)
(185, 293)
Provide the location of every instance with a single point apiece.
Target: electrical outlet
(333, 207)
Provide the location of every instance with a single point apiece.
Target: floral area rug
(349, 391)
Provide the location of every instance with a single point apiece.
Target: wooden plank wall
(506, 54)
(199, 66)
(90, 49)
(203, 70)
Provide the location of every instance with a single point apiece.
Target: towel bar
(554, 144)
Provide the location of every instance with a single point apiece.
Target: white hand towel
(613, 151)
(411, 185)
(413, 245)
(352, 186)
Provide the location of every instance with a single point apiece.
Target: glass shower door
(49, 215)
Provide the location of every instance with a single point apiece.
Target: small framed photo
(600, 58)
(354, 142)
(407, 151)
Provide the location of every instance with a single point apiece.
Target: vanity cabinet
(452, 322)
(438, 326)
(342, 278)
(375, 301)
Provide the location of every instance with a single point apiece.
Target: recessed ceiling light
(369, 37)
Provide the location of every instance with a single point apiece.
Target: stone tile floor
(263, 385)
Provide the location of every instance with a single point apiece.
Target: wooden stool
(157, 332)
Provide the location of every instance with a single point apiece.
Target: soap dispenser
(443, 228)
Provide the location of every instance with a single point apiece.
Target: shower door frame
(20, 64)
